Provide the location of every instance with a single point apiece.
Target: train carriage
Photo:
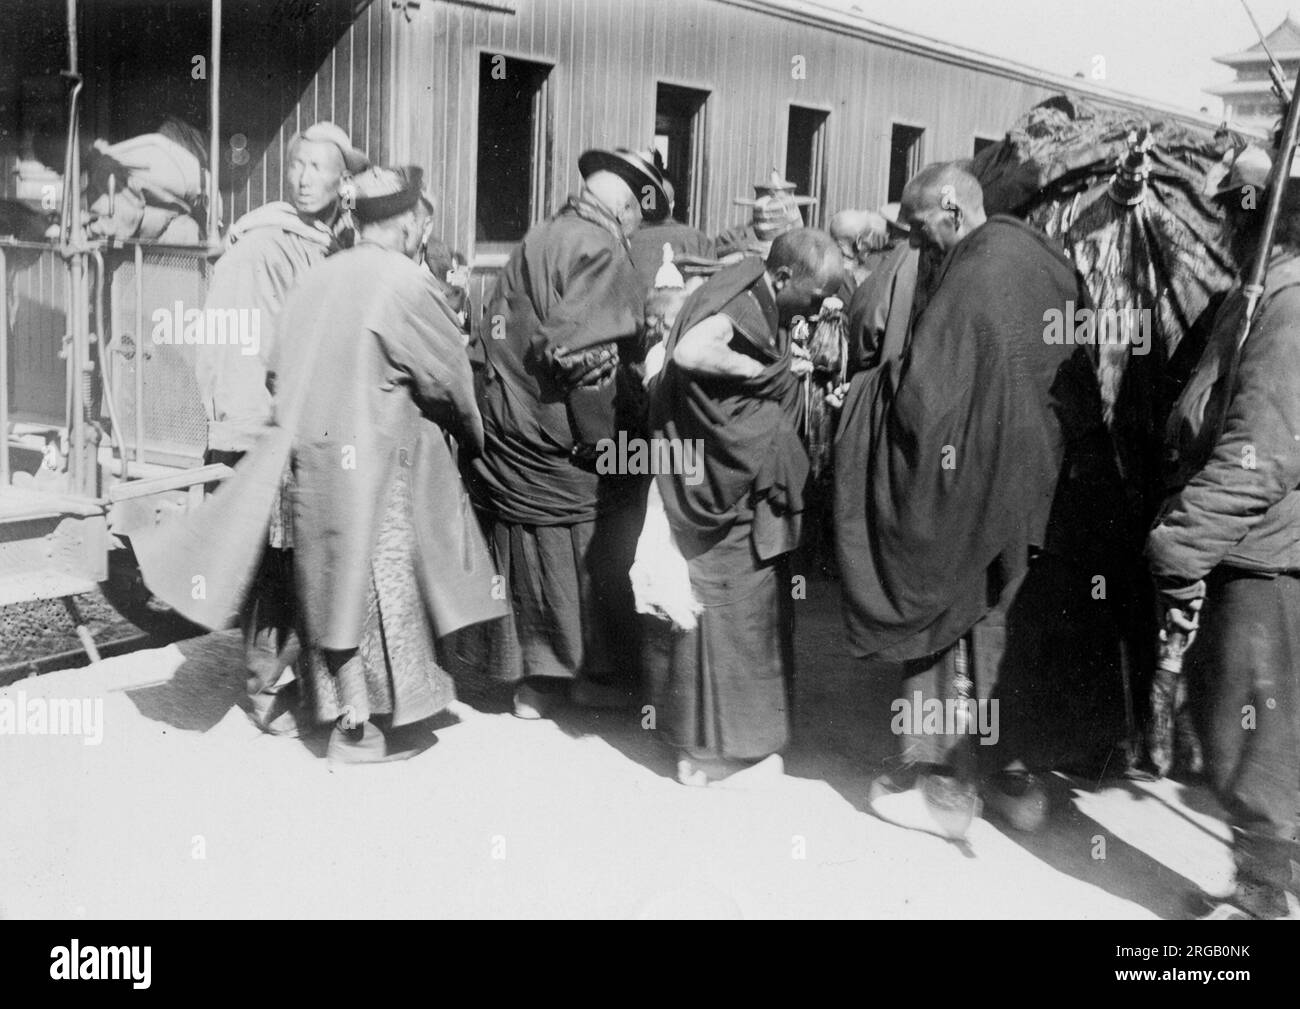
(495, 98)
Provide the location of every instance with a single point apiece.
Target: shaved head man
(956, 496)
(804, 268)
(942, 204)
(729, 390)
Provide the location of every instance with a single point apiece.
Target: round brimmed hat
(1249, 166)
(775, 215)
(386, 192)
(890, 212)
(328, 133)
(775, 185)
(637, 169)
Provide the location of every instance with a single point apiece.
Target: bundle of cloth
(1129, 200)
(661, 581)
(152, 187)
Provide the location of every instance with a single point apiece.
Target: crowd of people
(413, 474)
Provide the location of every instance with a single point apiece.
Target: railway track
(40, 636)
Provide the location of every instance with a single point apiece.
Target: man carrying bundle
(729, 386)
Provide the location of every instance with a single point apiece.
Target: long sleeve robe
(569, 285)
(948, 475)
(271, 248)
(371, 376)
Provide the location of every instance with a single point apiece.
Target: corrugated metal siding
(283, 67)
(37, 289)
(405, 83)
(350, 86)
(284, 70)
(609, 55)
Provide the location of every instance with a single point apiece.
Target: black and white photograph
(650, 460)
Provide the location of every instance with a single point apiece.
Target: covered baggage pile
(1127, 197)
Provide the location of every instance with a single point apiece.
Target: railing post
(214, 127)
(139, 353)
(4, 370)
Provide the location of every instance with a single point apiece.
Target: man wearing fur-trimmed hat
(550, 389)
(268, 251)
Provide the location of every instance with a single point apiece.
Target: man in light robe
(388, 553)
(389, 556)
(269, 250)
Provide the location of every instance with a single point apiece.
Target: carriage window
(805, 159)
(512, 148)
(904, 157)
(679, 143)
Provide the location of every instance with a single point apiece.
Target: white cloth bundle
(661, 580)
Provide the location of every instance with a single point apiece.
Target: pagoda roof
(1283, 41)
(1244, 88)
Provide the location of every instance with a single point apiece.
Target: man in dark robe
(728, 399)
(269, 250)
(881, 308)
(550, 387)
(972, 462)
(879, 312)
(388, 555)
(646, 244)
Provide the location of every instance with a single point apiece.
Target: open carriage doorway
(679, 143)
(805, 159)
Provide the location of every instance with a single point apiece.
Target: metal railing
(144, 393)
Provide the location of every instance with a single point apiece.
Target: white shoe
(690, 775)
(926, 806)
(533, 704)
